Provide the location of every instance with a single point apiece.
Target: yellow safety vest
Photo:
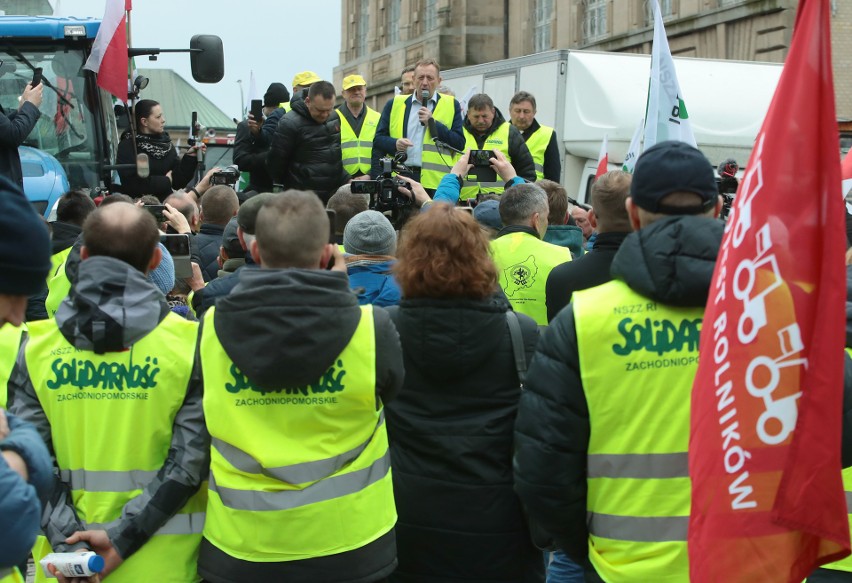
(357, 150)
(58, 284)
(523, 263)
(10, 341)
(537, 144)
(435, 164)
(285, 105)
(111, 418)
(497, 140)
(846, 563)
(638, 359)
(297, 472)
(12, 575)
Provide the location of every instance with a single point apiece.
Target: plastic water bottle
(73, 564)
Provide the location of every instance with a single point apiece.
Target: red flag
(603, 160)
(764, 454)
(109, 51)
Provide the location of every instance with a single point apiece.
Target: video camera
(382, 191)
(228, 176)
(728, 184)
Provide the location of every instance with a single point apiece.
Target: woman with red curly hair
(451, 426)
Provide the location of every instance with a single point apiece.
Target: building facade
(380, 37)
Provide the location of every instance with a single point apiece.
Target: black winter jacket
(15, 126)
(162, 158)
(305, 155)
(208, 240)
(450, 430)
(250, 155)
(522, 160)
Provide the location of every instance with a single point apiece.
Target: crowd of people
(343, 392)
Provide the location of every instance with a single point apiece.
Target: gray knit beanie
(369, 233)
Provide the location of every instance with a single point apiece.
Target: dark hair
(219, 204)
(143, 109)
(480, 101)
(444, 254)
(74, 206)
(345, 205)
(408, 69)
(122, 231)
(557, 201)
(522, 96)
(322, 88)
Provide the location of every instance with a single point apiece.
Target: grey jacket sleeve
(390, 372)
(59, 518)
(17, 125)
(177, 480)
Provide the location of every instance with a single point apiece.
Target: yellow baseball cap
(353, 81)
(305, 78)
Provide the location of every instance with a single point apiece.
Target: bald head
(122, 231)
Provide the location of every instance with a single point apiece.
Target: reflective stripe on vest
(638, 360)
(357, 150)
(191, 523)
(846, 563)
(524, 262)
(287, 463)
(537, 144)
(434, 164)
(497, 140)
(132, 394)
(10, 342)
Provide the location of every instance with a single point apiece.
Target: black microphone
(400, 157)
(424, 98)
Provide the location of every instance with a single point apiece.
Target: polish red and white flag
(109, 51)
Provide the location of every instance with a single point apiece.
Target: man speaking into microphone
(414, 123)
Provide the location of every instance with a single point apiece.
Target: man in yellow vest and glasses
(523, 259)
(110, 386)
(419, 125)
(486, 129)
(358, 124)
(603, 427)
(295, 377)
(541, 140)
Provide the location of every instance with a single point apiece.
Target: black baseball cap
(669, 167)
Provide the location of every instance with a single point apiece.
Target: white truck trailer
(586, 95)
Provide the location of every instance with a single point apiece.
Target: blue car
(44, 180)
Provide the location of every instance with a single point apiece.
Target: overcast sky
(274, 39)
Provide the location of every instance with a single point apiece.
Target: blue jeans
(561, 569)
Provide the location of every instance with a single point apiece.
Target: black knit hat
(275, 94)
(669, 167)
(24, 243)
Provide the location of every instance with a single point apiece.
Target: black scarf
(157, 146)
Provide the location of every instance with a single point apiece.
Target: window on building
(363, 27)
(665, 9)
(594, 19)
(430, 19)
(543, 26)
(392, 24)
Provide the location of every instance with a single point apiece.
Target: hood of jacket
(110, 307)
(671, 260)
(495, 123)
(285, 327)
(463, 332)
(63, 236)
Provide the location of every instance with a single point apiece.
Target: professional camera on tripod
(384, 191)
